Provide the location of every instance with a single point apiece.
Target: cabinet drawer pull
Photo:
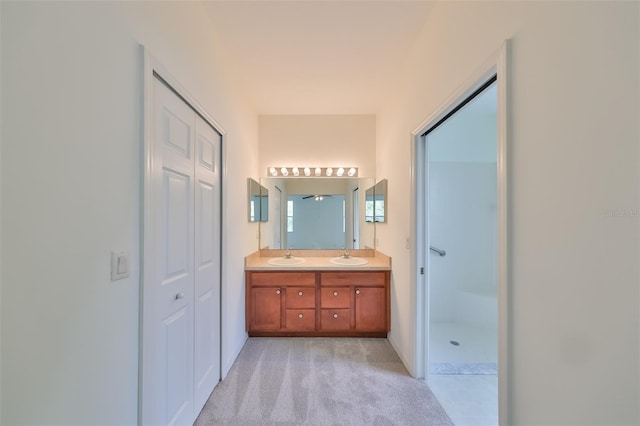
(335, 315)
(299, 293)
(300, 315)
(335, 293)
(278, 291)
(357, 291)
(179, 296)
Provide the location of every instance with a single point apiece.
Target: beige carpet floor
(320, 381)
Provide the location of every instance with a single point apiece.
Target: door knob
(357, 291)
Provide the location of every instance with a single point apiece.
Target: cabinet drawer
(301, 319)
(335, 297)
(335, 319)
(364, 278)
(301, 297)
(306, 279)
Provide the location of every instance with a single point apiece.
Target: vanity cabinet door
(370, 308)
(266, 308)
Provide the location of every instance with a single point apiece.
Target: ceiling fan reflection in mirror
(317, 197)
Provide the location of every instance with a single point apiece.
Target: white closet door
(207, 262)
(180, 349)
(172, 292)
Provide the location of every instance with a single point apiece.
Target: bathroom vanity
(317, 297)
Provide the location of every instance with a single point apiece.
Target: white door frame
(152, 66)
(495, 65)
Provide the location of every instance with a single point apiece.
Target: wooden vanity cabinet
(318, 303)
(368, 299)
(278, 301)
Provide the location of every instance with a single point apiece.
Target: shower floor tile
(469, 399)
(475, 345)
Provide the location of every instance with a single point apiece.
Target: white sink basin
(349, 261)
(282, 261)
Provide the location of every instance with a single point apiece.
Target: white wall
(462, 221)
(573, 158)
(71, 193)
(318, 140)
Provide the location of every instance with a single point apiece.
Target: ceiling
(317, 57)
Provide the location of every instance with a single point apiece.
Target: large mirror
(316, 213)
(258, 203)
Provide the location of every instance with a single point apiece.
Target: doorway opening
(460, 273)
(462, 286)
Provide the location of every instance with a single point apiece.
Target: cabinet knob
(278, 291)
(335, 293)
(357, 291)
(335, 315)
(179, 296)
(300, 315)
(299, 293)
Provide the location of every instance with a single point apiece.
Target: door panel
(179, 376)
(207, 254)
(176, 224)
(173, 362)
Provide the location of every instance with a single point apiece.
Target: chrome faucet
(287, 254)
(346, 254)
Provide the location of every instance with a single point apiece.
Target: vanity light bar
(313, 171)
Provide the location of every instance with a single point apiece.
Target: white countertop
(375, 262)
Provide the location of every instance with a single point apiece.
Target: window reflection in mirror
(375, 203)
(316, 213)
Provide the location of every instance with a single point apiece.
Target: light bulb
(295, 171)
(340, 172)
(352, 171)
(329, 171)
(307, 171)
(273, 171)
(318, 171)
(284, 171)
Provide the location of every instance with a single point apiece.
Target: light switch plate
(119, 265)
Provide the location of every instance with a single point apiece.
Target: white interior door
(180, 353)
(172, 291)
(207, 267)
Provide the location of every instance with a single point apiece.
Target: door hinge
(422, 270)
